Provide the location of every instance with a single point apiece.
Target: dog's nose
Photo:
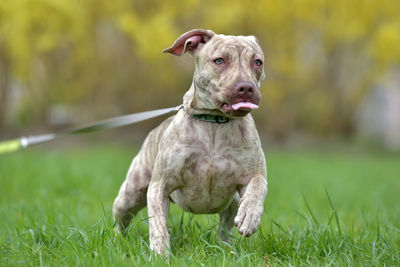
(245, 89)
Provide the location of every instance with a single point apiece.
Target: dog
(208, 157)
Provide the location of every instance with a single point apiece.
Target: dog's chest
(207, 162)
(207, 183)
(209, 174)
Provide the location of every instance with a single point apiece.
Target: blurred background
(332, 67)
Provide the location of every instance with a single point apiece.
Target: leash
(24, 142)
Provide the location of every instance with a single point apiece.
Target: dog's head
(229, 71)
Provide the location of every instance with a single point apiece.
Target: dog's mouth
(238, 109)
(244, 105)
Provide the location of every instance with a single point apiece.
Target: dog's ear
(189, 41)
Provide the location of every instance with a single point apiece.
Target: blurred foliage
(103, 57)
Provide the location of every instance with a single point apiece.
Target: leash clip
(181, 106)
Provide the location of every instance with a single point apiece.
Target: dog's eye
(258, 62)
(219, 61)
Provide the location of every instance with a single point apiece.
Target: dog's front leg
(158, 209)
(251, 205)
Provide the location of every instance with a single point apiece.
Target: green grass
(322, 209)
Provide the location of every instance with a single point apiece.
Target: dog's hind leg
(227, 218)
(131, 197)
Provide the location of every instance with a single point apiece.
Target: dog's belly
(209, 184)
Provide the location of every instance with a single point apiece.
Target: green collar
(211, 118)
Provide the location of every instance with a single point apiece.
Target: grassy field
(323, 208)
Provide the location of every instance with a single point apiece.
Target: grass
(322, 209)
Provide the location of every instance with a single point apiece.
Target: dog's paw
(248, 217)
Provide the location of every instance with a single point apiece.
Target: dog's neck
(202, 113)
(193, 106)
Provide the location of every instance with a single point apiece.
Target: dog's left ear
(189, 41)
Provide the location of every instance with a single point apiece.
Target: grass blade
(334, 211)
(310, 211)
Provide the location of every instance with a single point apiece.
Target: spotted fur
(201, 166)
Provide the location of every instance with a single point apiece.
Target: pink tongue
(244, 105)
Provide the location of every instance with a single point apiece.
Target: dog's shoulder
(160, 129)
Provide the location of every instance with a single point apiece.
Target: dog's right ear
(189, 41)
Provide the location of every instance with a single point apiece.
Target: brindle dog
(208, 157)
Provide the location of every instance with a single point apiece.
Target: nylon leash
(24, 142)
